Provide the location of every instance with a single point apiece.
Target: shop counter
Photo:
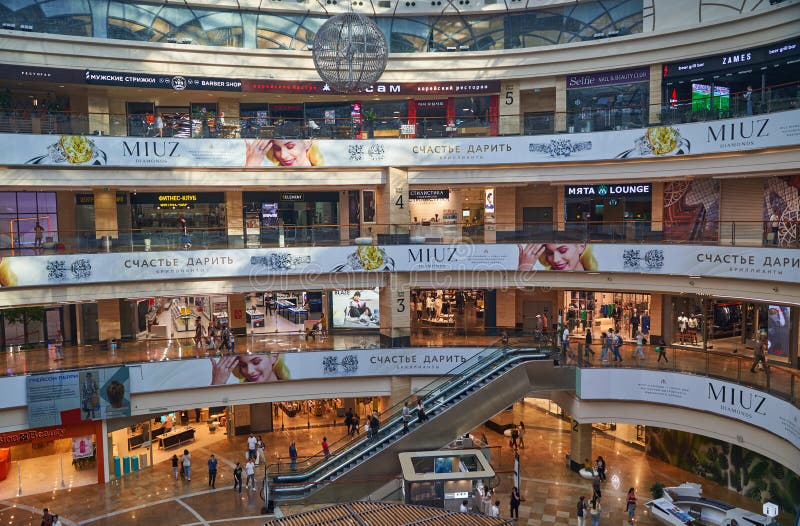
(175, 438)
(298, 315)
(138, 439)
(255, 318)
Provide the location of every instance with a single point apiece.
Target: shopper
(260, 456)
(760, 354)
(495, 509)
(251, 447)
(56, 521)
(464, 508)
(224, 339)
(198, 333)
(596, 493)
(237, 477)
(38, 231)
(639, 342)
(581, 511)
(59, 345)
(47, 519)
(374, 424)
(325, 450)
(594, 511)
(348, 420)
(514, 437)
(421, 415)
(187, 464)
(514, 503)
(293, 456)
(323, 325)
(616, 343)
(212, 471)
(588, 343)
(631, 506)
(250, 471)
(774, 225)
(601, 468)
(521, 431)
(662, 353)
(183, 226)
(175, 466)
(406, 417)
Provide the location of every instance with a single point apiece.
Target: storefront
(41, 459)
(448, 214)
(625, 312)
(615, 211)
(21, 212)
(155, 217)
(716, 87)
(461, 310)
(85, 236)
(609, 100)
(278, 218)
(732, 326)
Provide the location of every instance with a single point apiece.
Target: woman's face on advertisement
(257, 367)
(291, 152)
(564, 257)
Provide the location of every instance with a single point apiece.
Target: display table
(255, 318)
(175, 438)
(298, 315)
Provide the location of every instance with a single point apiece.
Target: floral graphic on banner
(367, 258)
(658, 142)
(691, 210)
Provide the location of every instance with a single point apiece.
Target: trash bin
(142, 460)
(117, 467)
(134, 463)
(126, 465)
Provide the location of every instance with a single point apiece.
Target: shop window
(539, 123)
(19, 214)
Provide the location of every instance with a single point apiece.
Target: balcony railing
(606, 116)
(159, 238)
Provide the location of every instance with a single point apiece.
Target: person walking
(639, 342)
(323, 325)
(348, 420)
(594, 511)
(198, 333)
(250, 471)
(47, 519)
(325, 451)
(59, 345)
(631, 505)
(603, 347)
(581, 511)
(187, 464)
(760, 354)
(260, 456)
(514, 502)
(494, 511)
(374, 425)
(175, 466)
(421, 415)
(588, 344)
(237, 477)
(521, 433)
(293, 456)
(662, 353)
(212, 471)
(251, 447)
(596, 493)
(38, 231)
(406, 417)
(514, 437)
(616, 343)
(601, 468)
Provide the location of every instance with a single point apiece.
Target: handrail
(476, 370)
(156, 239)
(19, 119)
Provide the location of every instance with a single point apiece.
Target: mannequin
(683, 324)
(692, 324)
(646, 323)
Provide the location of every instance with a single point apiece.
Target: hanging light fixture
(350, 52)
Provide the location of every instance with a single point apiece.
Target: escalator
(456, 403)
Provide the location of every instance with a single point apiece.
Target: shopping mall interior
(546, 238)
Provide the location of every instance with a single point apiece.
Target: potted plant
(369, 122)
(657, 490)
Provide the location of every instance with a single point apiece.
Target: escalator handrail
(394, 428)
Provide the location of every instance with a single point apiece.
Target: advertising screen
(778, 327)
(701, 97)
(269, 214)
(356, 309)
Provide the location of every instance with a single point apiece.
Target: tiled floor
(549, 489)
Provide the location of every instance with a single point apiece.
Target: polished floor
(550, 490)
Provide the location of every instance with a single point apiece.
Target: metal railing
(161, 238)
(605, 116)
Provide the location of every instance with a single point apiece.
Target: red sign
(237, 314)
(387, 88)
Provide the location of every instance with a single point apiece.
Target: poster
(702, 138)
(778, 328)
(274, 367)
(691, 210)
(755, 263)
(356, 309)
(72, 396)
(82, 447)
(489, 201)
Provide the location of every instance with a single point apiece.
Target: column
(656, 313)
(395, 311)
(560, 123)
(65, 209)
(260, 417)
(237, 321)
(99, 115)
(234, 212)
(344, 215)
(657, 207)
(230, 107)
(654, 113)
(117, 119)
(505, 212)
(105, 213)
(400, 389)
(559, 215)
(509, 109)
(108, 325)
(580, 444)
(506, 309)
(393, 210)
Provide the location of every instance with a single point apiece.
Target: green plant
(370, 115)
(657, 490)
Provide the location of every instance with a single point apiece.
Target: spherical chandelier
(350, 52)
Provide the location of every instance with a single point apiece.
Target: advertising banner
(740, 134)
(70, 397)
(82, 447)
(273, 367)
(696, 392)
(683, 260)
(356, 309)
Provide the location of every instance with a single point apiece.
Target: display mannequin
(692, 325)
(646, 323)
(683, 323)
